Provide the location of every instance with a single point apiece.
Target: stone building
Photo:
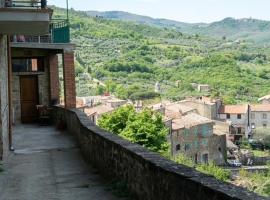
(260, 116)
(193, 136)
(96, 112)
(205, 106)
(264, 99)
(29, 66)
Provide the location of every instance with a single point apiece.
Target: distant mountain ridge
(249, 29)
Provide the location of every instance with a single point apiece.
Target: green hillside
(252, 30)
(130, 58)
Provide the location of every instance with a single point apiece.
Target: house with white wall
(238, 117)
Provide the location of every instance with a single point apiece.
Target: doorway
(29, 98)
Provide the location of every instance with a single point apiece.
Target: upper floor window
(264, 116)
(178, 147)
(187, 147)
(228, 116)
(239, 116)
(27, 65)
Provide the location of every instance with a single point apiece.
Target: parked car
(234, 163)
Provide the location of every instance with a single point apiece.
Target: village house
(193, 136)
(238, 117)
(260, 116)
(264, 99)
(205, 106)
(94, 113)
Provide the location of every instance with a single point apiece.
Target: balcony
(24, 17)
(59, 33)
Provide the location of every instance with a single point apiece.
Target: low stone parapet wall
(147, 175)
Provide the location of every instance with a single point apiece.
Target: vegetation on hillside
(133, 57)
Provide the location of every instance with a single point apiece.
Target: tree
(145, 128)
(116, 121)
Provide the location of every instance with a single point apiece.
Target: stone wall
(218, 149)
(147, 175)
(4, 119)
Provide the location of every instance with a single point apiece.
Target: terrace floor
(47, 165)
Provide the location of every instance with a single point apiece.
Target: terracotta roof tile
(260, 108)
(233, 109)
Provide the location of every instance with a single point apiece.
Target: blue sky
(180, 10)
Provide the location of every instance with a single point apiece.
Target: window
(178, 147)
(187, 147)
(253, 126)
(239, 130)
(252, 116)
(27, 65)
(264, 116)
(228, 116)
(239, 116)
(264, 125)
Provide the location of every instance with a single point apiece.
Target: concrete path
(47, 165)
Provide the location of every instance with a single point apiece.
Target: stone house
(260, 116)
(204, 88)
(238, 117)
(264, 99)
(205, 106)
(193, 136)
(31, 45)
(94, 113)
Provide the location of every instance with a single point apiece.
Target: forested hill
(236, 29)
(131, 57)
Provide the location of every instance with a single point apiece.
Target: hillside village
(202, 128)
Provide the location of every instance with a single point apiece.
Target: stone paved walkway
(47, 165)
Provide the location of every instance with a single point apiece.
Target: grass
(259, 153)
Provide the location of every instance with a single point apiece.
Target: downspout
(9, 95)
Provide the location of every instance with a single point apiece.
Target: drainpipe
(9, 94)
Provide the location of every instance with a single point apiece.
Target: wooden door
(29, 98)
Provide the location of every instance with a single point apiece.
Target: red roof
(233, 109)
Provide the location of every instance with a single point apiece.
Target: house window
(228, 116)
(264, 125)
(264, 116)
(187, 147)
(253, 125)
(239, 130)
(252, 116)
(28, 65)
(178, 147)
(239, 116)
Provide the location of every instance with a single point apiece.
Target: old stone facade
(4, 119)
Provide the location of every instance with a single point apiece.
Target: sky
(180, 10)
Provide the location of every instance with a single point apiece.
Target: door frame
(37, 87)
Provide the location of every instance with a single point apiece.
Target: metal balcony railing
(38, 4)
(59, 33)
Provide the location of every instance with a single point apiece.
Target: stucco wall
(4, 96)
(147, 175)
(258, 119)
(203, 109)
